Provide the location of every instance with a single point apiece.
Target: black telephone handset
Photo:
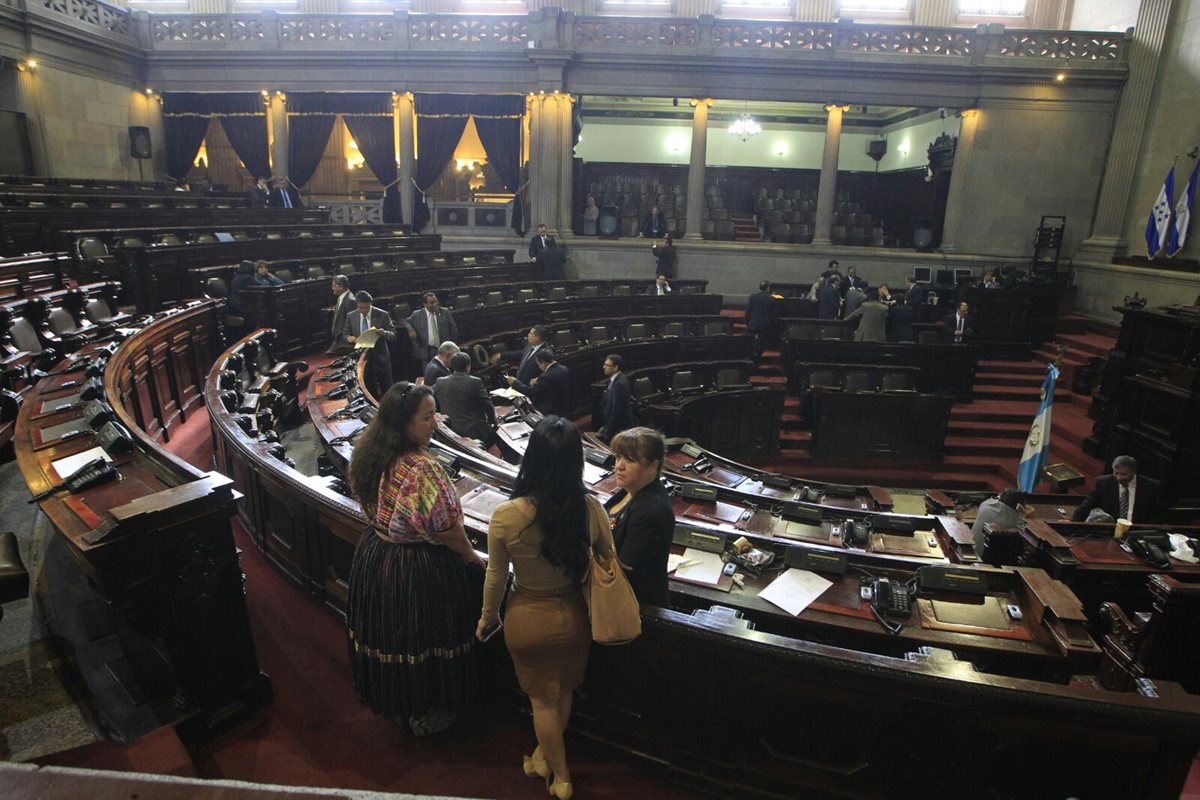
(1150, 546)
(890, 598)
(91, 474)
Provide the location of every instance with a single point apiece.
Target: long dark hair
(385, 439)
(552, 477)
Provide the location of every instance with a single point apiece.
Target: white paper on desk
(506, 393)
(66, 466)
(795, 590)
(708, 570)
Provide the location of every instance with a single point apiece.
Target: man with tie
(439, 366)
(526, 360)
(259, 195)
(1125, 495)
(615, 413)
(428, 327)
(550, 391)
(539, 242)
(366, 317)
(661, 286)
(343, 304)
(959, 326)
(283, 195)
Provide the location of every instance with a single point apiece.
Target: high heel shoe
(536, 765)
(561, 790)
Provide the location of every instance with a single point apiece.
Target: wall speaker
(139, 141)
(609, 222)
(877, 148)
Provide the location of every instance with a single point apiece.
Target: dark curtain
(186, 116)
(184, 136)
(498, 120)
(376, 142)
(441, 119)
(248, 135)
(311, 116)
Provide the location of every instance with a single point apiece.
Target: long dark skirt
(411, 617)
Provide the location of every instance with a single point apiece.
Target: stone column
(28, 97)
(827, 189)
(403, 116)
(816, 10)
(277, 134)
(956, 198)
(936, 13)
(696, 169)
(1145, 55)
(550, 152)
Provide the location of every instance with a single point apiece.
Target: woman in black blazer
(643, 529)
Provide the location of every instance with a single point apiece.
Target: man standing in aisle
(366, 317)
(428, 327)
(615, 413)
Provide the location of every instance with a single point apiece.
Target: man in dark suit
(464, 400)
(661, 286)
(1125, 495)
(760, 316)
(615, 413)
(439, 366)
(872, 319)
(363, 318)
(539, 242)
(428, 327)
(914, 293)
(259, 194)
(284, 195)
(343, 304)
(960, 326)
(526, 360)
(829, 298)
(550, 391)
(654, 226)
(553, 258)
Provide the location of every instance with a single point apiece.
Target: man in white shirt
(428, 327)
(661, 286)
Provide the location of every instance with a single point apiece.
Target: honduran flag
(1183, 215)
(1160, 217)
(1037, 446)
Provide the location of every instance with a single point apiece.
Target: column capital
(696, 101)
(838, 106)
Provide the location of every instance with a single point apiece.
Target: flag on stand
(1160, 217)
(1183, 215)
(1037, 446)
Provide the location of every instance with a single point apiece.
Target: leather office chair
(401, 310)
(683, 381)
(169, 239)
(859, 382)
(61, 322)
(284, 274)
(207, 238)
(14, 578)
(92, 249)
(590, 291)
(897, 382)
(317, 271)
(598, 333)
(689, 289)
(557, 293)
(493, 298)
(929, 337)
(463, 301)
(240, 236)
(637, 330)
(622, 290)
(526, 294)
(823, 378)
(98, 311)
(565, 338)
(674, 329)
(717, 328)
(731, 378)
(346, 269)
(377, 266)
(643, 387)
(213, 287)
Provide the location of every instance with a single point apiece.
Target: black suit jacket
(463, 399)
(952, 326)
(760, 311)
(642, 534)
(379, 319)
(293, 195)
(435, 370)
(1150, 503)
(536, 246)
(654, 226)
(528, 369)
(418, 323)
(342, 307)
(258, 198)
(616, 409)
(551, 392)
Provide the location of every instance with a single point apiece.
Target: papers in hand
(699, 566)
(795, 590)
(367, 339)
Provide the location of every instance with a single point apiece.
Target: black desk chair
(14, 578)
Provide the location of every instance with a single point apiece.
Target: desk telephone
(890, 598)
(1150, 546)
(93, 473)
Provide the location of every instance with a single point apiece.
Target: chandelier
(744, 127)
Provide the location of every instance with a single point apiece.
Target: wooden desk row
(942, 368)
(156, 543)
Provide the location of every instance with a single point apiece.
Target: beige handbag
(612, 605)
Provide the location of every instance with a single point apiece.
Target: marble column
(403, 116)
(696, 169)
(959, 175)
(827, 189)
(277, 134)
(1129, 129)
(936, 13)
(28, 97)
(550, 152)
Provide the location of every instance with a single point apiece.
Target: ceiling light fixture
(745, 127)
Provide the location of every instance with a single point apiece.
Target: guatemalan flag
(1160, 217)
(1037, 446)
(1183, 215)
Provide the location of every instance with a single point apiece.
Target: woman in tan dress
(545, 532)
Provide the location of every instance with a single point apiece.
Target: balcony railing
(552, 29)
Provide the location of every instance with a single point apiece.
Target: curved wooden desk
(157, 543)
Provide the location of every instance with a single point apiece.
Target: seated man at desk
(1124, 495)
(439, 366)
(1006, 512)
(550, 391)
(960, 326)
